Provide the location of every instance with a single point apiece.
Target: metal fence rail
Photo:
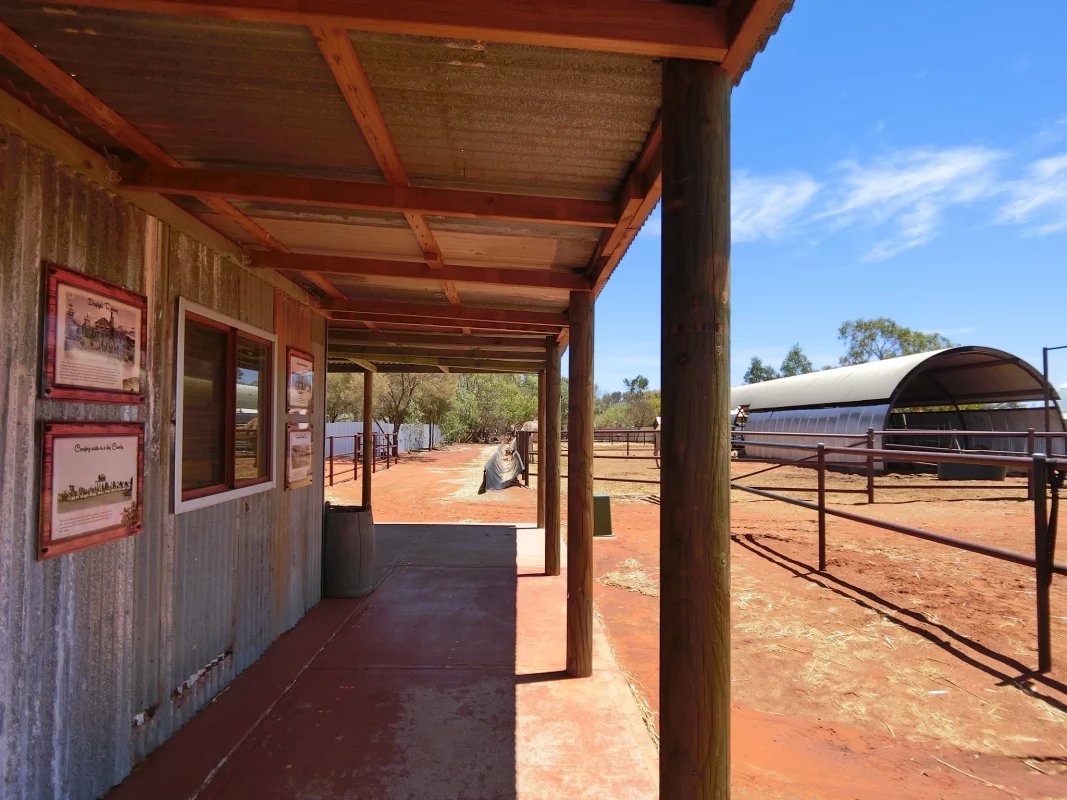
(341, 468)
(1044, 474)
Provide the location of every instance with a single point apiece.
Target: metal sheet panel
(94, 644)
(512, 118)
(854, 420)
(209, 92)
(961, 375)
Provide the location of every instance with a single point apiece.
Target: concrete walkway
(446, 682)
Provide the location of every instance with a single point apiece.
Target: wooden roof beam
(304, 191)
(384, 353)
(431, 340)
(655, 28)
(469, 363)
(458, 315)
(497, 276)
(340, 54)
(49, 75)
(414, 322)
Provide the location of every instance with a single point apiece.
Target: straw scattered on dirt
(630, 575)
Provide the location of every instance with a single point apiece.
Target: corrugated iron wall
(94, 644)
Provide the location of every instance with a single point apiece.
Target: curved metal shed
(889, 394)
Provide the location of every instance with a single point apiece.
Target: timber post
(580, 489)
(695, 452)
(368, 435)
(548, 457)
(540, 473)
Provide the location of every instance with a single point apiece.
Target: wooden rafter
(382, 352)
(416, 360)
(430, 341)
(750, 19)
(498, 276)
(416, 323)
(306, 191)
(458, 314)
(656, 28)
(336, 47)
(639, 196)
(34, 64)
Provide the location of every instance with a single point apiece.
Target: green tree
(489, 405)
(795, 363)
(394, 400)
(344, 396)
(635, 386)
(758, 371)
(434, 399)
(875, 339)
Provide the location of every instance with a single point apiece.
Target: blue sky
(900, 159)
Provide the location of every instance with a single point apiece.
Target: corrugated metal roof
(512, 118)
(213, 92)
(955, 375)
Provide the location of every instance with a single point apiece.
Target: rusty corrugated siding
(91, 639)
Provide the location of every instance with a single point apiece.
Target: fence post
(870, 467)
(1043, 562)
(357, 448)
(1031, 447)
(331, 460)
(822, 505)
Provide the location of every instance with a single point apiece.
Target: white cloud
(1040, 198)
(909, 192)
(767, 207)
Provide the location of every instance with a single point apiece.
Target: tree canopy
(758, 372)
(875, 339)
(795, 363)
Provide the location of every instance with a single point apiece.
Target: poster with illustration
(301, 381)
(95, 340)
(91, 484)
(299, 456)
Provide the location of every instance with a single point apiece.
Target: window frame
(230, 489)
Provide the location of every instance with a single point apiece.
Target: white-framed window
(224, 408)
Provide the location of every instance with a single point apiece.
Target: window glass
(204, 406)
(251, 423)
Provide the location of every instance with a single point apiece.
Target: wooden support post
(368, 436)
(580, 489)
(548, 456)
(541, 449)
(695, 457)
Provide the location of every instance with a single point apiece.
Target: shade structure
(957, 388)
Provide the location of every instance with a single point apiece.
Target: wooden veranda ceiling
(440, 299)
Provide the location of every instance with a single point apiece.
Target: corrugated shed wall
(90, 640)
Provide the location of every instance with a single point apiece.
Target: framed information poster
(299, 455)
(90, 484)
(300, 381)
(94, 339)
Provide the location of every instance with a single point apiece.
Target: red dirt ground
(903, 671)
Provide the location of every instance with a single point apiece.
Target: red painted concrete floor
(446, 682)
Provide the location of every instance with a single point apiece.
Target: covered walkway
(447, 681)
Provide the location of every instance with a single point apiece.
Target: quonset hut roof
(956, 375)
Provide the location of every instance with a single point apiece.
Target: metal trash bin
(348, 551)
(602, 516)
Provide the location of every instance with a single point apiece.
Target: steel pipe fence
(341, 468)
(1045, 474)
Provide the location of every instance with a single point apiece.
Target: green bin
(602, 516)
